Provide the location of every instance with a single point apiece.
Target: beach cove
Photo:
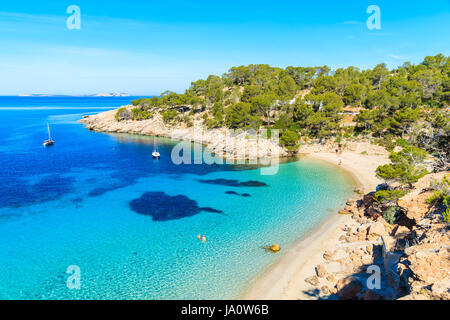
(285, 277)
(91, 212)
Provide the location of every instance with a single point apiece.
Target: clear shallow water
(99, 201)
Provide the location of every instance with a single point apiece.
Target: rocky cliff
(221, 142)
(413, 253)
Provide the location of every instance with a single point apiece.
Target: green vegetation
(140, 114)
(407, 166)
(405, 107)
(289, 140)
(240, 115)
(405, 110)
(123, 114)
(169, 115)
(389, 214)
(446, 213)
(389, 195)
(441, 194)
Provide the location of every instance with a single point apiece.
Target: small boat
(49, 142)
(155, 153)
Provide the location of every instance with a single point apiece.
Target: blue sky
(146, 47)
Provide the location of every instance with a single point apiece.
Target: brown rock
(328, 255)
(377, 228)
(348, 207)
(415, 205)
(360, 220)
(441, 289)
(368, 199)
(331, 278)
(414, 296)
(361, 235)
(333, 290)
(354, 257)
(325, 290)
(321, 271)
(373, 237)
(366, 260)
(275, 248)
(340, 254)
(314, 281)
(429, 267)
(372, 295)
(349, 288)
(373, 213)
(401, 232)
(359, 190)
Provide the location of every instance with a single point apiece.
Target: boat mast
(48, 128)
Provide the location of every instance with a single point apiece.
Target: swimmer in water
(204, 239)
(199, 237)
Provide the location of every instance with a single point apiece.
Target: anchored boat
(155, 153)
(50, 141)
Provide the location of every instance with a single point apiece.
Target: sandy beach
(361, 167)
(285, 279)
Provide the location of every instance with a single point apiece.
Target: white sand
(362, 167)
(285, 279)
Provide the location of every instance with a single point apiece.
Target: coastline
(223, 143)
(285, 278)
(361, 167)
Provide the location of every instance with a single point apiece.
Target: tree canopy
(411, 101)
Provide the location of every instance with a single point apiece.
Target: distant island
(115, 94)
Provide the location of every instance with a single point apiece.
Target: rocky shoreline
(412, 254)
(223, 143)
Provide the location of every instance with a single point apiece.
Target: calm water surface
(100, 202)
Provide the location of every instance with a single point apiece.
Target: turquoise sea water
(100, 202)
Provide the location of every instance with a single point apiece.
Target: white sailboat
(50, 141)
(155, 153)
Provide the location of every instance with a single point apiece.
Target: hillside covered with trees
(407, 105)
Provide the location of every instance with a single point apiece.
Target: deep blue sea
(130, 223)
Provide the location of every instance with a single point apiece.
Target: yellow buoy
(275, 248)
